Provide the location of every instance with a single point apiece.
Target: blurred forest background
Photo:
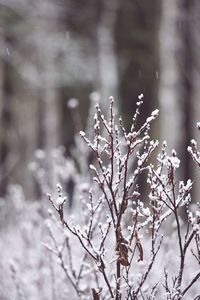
(53, 51)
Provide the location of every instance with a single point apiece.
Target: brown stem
(118, 266)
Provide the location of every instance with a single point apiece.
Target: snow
(140, 96)
(155, 113)
(92, 167)
(172, 161)
(72, 103)
(82, 133)
(60, 200)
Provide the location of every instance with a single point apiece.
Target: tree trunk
(107, 60)
(195, 104)
(171, 114)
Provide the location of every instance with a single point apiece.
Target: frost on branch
(117, 245)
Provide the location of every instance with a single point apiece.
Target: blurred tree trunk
(195, 105)
(171, 112)
(189, 92)
(1, 71)
(50, 125)
(7, 157)
(20, 115)
(175, 92)
(179, 83)
(136, 35)
(107, 59)
(47, 28)
(186, 63)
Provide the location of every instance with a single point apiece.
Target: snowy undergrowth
(119, 243)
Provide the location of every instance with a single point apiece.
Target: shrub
(120, 243)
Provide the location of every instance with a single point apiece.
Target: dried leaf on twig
(96, 294)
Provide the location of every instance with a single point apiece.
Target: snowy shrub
(116, 241)
(120, 245)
